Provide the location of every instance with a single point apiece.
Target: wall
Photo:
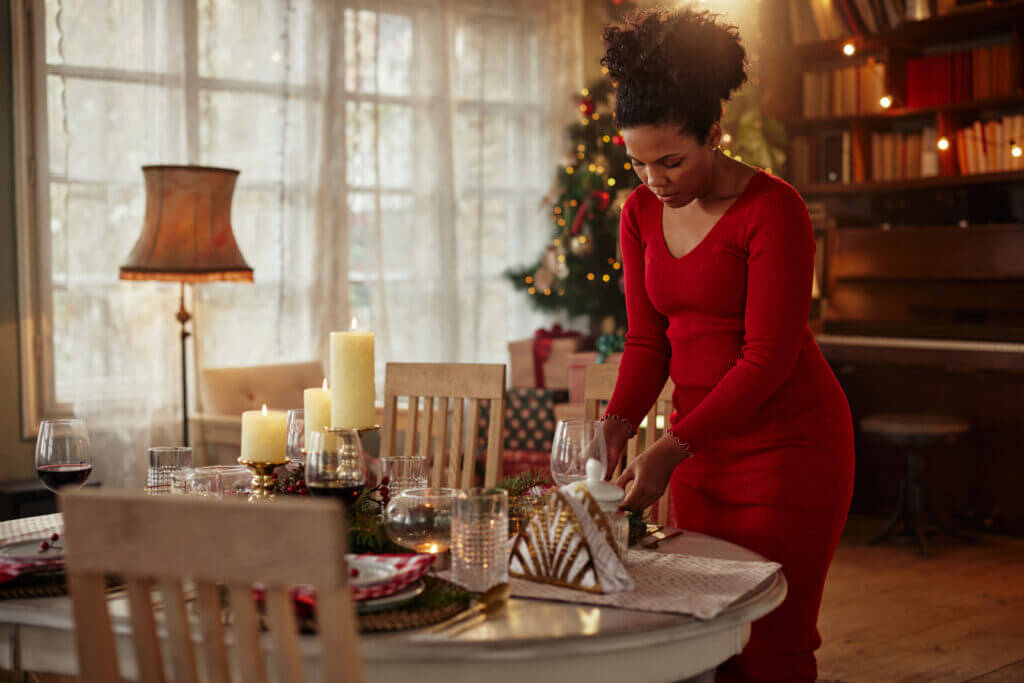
(15, 454)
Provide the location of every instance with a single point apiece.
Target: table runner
(667, 582)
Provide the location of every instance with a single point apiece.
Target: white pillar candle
(317, 405)
(352, 380)
(264, 436)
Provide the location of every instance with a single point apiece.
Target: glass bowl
(421, 519)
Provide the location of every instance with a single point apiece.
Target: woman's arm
(645, 361)
(780, 267)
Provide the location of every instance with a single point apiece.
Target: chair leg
(916, 494)
(896, 518)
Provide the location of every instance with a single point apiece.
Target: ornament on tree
(543, 279)
(581, 246)
(617, 139)
(587, 106)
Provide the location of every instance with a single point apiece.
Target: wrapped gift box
(556, 367)
(529, 428)
(577, 371)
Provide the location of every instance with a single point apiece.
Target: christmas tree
(580, 271)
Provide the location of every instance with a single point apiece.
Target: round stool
(915, 435)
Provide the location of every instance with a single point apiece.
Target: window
(393, 156)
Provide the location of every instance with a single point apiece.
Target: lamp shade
(186, 235)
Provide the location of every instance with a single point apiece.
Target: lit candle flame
(325, 384)
(264, 408)
(354, 324)
(429, 548)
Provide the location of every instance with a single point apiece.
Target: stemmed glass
(62, 454)
(295, 434)
(576, 442)
(335, 466)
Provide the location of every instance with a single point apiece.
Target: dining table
(540, 641)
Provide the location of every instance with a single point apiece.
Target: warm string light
(885, 101)
(944, 144)
(849, 49)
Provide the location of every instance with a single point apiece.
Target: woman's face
(671, 163)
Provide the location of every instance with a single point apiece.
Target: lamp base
(262, 479)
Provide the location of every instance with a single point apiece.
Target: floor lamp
(187, 238)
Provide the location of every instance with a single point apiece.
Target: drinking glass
(404, 473)
(236, 480)
(200, 481)
(335, 466)
(480, 538)
(296, 434)
(421, 519)
(163, 462)
(575, 442)
(62, 454)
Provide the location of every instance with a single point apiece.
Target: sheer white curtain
(393, 157)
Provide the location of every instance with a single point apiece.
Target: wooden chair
(450, 453)
(598, 387)
(158, 542)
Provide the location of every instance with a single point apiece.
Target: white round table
(530, 642)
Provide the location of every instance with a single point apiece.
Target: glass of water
(164, 461)
(479, 551)
(295, 435)
(404, 473)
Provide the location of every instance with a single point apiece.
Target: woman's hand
(616, 435)
(650, 474)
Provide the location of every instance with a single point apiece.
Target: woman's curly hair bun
(673, 66)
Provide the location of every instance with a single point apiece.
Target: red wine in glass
(347, 493)
(55, 477)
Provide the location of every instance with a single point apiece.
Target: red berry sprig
(52, 543)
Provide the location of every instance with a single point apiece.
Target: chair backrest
(599, 384)
(446, 436)
(160, 542)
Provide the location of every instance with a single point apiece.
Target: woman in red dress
(718, 262)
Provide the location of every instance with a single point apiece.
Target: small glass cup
(576, 442)
(421, 519)
(163, 462)
(296, 435)
(235, 480)
(201, 481)
(404, 474)
(480, 539)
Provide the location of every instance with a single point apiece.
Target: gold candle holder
(262, 479)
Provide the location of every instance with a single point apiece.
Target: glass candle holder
(480, 539)
(421, 519)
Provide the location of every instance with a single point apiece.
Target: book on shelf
(847, 91)
(987, 146)
(960, 76)
(812, 21)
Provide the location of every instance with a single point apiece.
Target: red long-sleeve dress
(765, 418)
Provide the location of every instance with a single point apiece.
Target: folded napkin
(665, 582)
(568, 542)
(40, 528)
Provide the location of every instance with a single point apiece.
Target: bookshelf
(965, 87)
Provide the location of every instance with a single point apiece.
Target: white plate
(391, 601)
(371, 572)
(30, 550)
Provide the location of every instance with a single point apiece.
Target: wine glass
(576, 442)
(62, 454)
(296, 434)
(334, 465)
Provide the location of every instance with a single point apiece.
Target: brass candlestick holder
(262, 479)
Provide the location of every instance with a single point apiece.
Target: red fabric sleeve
(645, 361)
(780, 267)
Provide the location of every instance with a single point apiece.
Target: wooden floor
(890, 615)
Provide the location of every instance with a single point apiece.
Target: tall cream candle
(316, 403)
(352, 380)
(264, 436)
